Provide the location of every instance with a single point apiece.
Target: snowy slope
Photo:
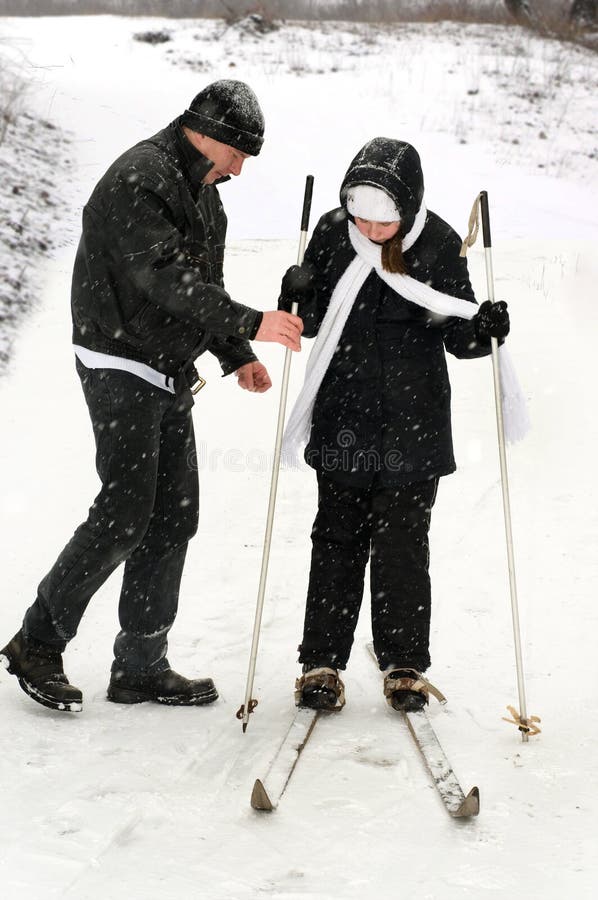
(154, 803)
(31, 196)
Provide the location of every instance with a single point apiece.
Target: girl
(384, 288)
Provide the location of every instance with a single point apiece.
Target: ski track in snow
(151, 802)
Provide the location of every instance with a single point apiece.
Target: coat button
(242, 329)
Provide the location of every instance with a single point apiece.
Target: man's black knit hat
(228, 111)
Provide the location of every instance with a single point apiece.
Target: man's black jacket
(148, 281)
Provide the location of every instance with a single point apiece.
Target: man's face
(227, 160)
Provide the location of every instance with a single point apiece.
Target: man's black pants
(390, 526)
(145, 514)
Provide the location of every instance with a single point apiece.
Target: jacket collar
(194, 165)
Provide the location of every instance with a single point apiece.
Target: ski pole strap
(473, 227)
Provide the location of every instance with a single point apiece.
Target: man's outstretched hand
(281, 328)
(254, 377)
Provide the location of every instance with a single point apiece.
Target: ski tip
(259, 797)
(470, 805)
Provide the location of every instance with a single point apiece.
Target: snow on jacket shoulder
(147, 282)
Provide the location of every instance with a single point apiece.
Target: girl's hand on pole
(298, 286)
(281, 328)
(492, 321)
(254, 377)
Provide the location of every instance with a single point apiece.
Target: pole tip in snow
(242, 714)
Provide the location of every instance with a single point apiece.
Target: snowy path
(154, 803)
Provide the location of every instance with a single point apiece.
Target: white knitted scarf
(369, 256)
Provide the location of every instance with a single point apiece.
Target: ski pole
(523, 720)
(249, 703)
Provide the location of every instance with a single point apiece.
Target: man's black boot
(39, 670)
(165, 686)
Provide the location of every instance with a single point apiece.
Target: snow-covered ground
(153, 803)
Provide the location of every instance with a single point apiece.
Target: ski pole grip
(309, 187)
(485, 219)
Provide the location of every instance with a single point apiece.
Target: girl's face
(378, 232)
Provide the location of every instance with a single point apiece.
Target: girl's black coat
(384, 404)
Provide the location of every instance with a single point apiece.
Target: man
(148, 299)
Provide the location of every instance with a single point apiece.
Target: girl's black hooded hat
(393, 166)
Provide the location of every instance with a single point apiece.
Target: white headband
(371, 203)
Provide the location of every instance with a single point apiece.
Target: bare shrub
(233, 10)
(583, 13)
(12, 91)
(520, 10)
(256, 21)
(563, 19)
(153, 37)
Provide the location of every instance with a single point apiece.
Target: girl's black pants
(388, 525)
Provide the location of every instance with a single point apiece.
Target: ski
(267, 791)
(451, 793)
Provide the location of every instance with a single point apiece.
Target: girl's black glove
(491, 320)
(297, 287)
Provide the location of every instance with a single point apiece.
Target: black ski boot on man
(163, 686)
(39, 670)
